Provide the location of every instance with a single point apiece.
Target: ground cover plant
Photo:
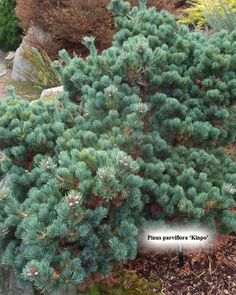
(136, 141)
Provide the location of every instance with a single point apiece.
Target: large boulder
(21, 67)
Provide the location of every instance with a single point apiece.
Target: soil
(210, 272)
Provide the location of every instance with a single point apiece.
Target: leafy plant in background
(222, 18)
(42, 73)
(202, 11)
(138, 140)
(10, 31)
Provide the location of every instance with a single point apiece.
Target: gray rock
(21, 67)
(8, 284)
(9, 59)
(3, 73)
(50, 95)
(2, 67)
(52, 92)
(10, 56)
(2, 54)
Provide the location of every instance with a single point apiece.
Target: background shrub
(10, 32)
(199, 9)
(69, 21)
(222, 18)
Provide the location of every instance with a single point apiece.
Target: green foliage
(212, 12)
(65, 196)
(10, 32)
(136, 141)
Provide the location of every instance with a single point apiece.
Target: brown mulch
(210, 272)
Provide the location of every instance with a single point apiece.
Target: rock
(50, 95)
(2, 54)
(10, 55)
(21, 67)
(54, 92)
(9, 59)
(2, 67)
(8, 284)
(3, 73)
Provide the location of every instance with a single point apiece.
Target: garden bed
(210, 272)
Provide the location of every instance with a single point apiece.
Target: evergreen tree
(138, 139)
(10, 32)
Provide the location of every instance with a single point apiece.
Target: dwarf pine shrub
(137, 140)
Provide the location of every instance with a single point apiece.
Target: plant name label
(172, 237)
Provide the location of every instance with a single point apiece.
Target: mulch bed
(209, 272)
